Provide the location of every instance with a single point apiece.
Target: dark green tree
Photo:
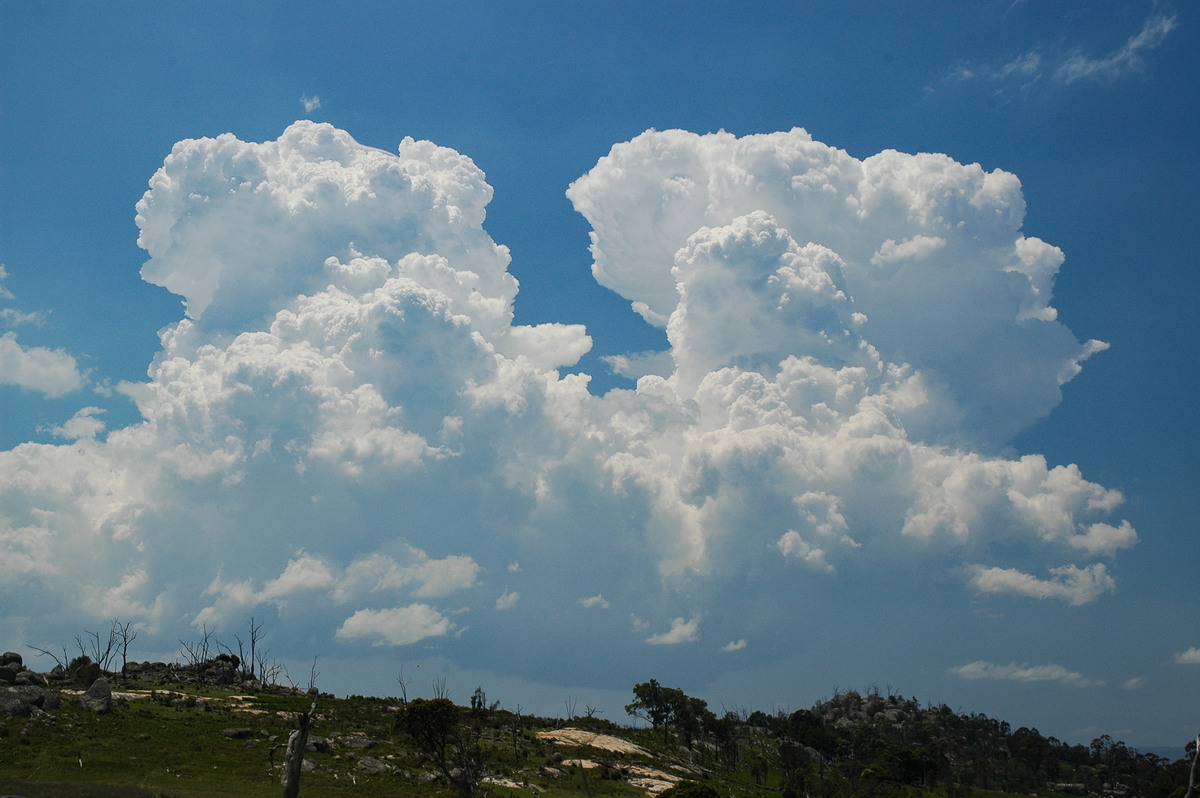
(654, 703)
(431, 723)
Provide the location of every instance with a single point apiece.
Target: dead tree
(403, 685)
(293, 758)
(1191, 790)
(100, 653)
(124, 634)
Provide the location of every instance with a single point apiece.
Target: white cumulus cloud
(83, 425)
(681, 631)
(1069, 583)
(398, 626)
(52, 372)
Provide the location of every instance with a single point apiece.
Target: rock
(356, 742)
(11, 658)
(14, 705)
(238, 734)
(318, 744)
(8, 672)
(21, 701)
(29, 677)
(98, 697)
(372, 766)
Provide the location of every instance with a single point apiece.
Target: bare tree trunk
(1192, 775)
(294, 757)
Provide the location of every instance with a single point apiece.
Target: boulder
(372, 766)
(14, 705)
(11, 658)
(29, 677)
(98, 697)
(238, 734)
(9, 671)
(21, 701)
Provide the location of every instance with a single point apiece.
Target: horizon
(755, 352)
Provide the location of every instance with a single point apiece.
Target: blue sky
(449, 497)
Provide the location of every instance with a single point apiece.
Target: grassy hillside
(187, 738)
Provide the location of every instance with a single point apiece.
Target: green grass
(179, 751)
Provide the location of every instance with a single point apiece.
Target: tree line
(881, 745)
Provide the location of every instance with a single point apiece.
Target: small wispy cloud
(1023, 71)
(595, 602)
(635, 365)
(1025, 66)
(982, 669)
(82, 426)
(734, 645)
(1126, 59)
(1189, 657)
(13, 317)
(507, 601)
(310, 103)
(681, 631)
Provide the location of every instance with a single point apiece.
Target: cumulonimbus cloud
(348, 428)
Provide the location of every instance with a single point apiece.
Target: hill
(211, 728)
